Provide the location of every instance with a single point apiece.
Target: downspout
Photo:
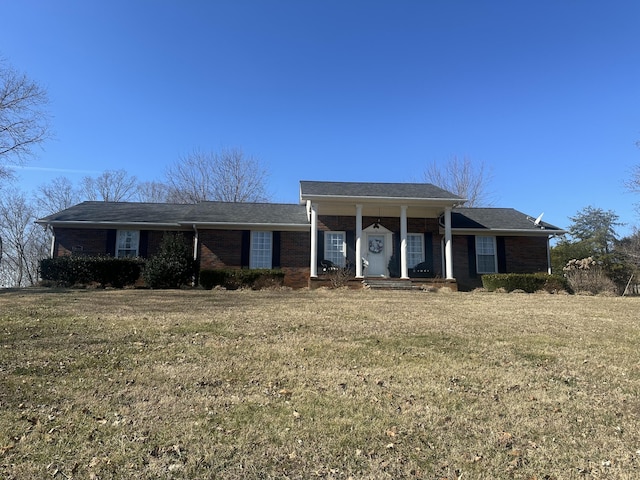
(548, 255)
(52, 247)
(196, 246)
(195, 242)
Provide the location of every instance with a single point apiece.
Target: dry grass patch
(329, 384)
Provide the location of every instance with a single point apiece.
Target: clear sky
(546, 93)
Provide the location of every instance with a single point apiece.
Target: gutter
(512, 232)
(244, 226)
(84, 224)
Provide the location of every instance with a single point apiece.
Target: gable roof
(167, 215)
(313, 190)
(494, 220)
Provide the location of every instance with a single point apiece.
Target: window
(486, 255)
(415, 249)
(335, 247)
(128, 242)
(261, 250)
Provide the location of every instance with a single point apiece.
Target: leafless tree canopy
(633, 182)
(229, 176)
(110, 186)
(57, 195)
(24, 120)
(24, 242)
(462, 177)
(152, 192)
(239, 178)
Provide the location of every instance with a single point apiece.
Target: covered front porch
(380, 231)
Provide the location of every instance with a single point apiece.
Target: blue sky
(545, 93)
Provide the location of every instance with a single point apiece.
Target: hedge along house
(416, 232)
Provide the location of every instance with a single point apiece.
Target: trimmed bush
(172, 266)
(67, 271)
(232, 279)
(528, 282)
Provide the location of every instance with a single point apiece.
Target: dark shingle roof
(163, 214)
(122, 212)
(421, 191)
(497, 219)
(250, 213)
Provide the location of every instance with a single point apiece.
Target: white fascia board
(452, 202)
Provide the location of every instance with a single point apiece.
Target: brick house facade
(416, 232)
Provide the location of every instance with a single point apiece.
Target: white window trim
(422, 245)
(137, 243)
(252, 261)
(344, 245)
(495, 254)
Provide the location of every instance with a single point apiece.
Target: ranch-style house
(410, 232)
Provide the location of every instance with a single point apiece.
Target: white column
(448, 244)
(359, 241)
(404, 272)
(314, 241)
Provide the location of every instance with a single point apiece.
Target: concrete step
(389, 284)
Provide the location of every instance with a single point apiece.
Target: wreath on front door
(376, 245)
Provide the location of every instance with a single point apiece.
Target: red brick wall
(526, 254)
(220, 249)
(80, 240)
(87, 241)
(223, 249)
(522, 255)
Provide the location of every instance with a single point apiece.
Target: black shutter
(320, 249)
(351, 247)
(245, 248)
(502, 255)
(275, 250)
(473, 269)
(110, 247)
(143, 246)
(428, 251)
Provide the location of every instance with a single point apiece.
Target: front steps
(390, 284)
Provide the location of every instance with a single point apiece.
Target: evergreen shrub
(172, 266)
(232, 279)
(529, 282)
(67, 271)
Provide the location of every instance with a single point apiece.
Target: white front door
(376, 255)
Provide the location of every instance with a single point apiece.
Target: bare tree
(109, 186)
(239, 178)
(25, 243)
(633, 182)
(462, 177)
(153, 192)
(24, 120)
(57, 195)
(229, 176)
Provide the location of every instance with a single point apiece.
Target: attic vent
(78, 248)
